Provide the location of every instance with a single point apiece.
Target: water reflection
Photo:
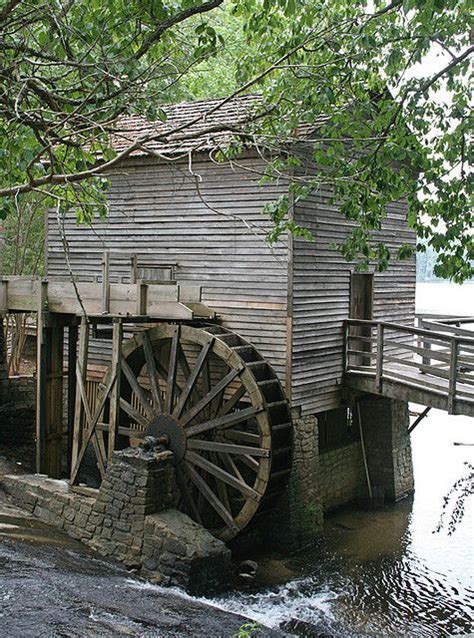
(388, 573)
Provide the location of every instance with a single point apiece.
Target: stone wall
(341, 475)
(298, 516)
(385, 424)
(130, 519)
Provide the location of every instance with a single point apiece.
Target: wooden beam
(41, 345)
(106, 283)
(79, 407)
(453, 369)
(73, 335)
(114, 409)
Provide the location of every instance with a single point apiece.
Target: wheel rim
(224, 413)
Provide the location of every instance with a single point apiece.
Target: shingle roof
(203, 125)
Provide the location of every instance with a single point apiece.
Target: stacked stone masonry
(298, 515)
(387, 442)
(341, 475)
(130, 520)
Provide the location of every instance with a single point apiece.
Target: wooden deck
(162, 301)
(433, 365)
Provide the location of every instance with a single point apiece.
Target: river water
(377, 573)
(389, 572)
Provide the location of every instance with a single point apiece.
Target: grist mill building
(277, 378)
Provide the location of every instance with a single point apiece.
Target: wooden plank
(228, 448)
(192, 379)
(152, 372)
(114, 403)
(79, 408)
(42, 345)
(211, 498)
(453, 370)
(73, 335)
(380, 357)
(106, 282)
(91, 434)
(223, 475)
(136, 387)
(210, 396)
(3, 296)
(172, 370)
(224, 421)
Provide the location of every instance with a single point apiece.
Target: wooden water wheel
(224, 413)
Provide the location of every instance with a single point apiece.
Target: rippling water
(384, 573)
(388, 572)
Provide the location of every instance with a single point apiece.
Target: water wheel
(224, 413)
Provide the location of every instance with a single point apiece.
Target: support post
(114, 410)
(141, 297)
(71, 387)
(387, 445)
(426, 344)
(3, 296)
(106, 283)
(81, 371)
(379, 368)
(49, 401)
(453, 370)
(345, 363)
(133, 269)
(41, 340)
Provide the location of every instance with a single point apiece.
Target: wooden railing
(438, 358)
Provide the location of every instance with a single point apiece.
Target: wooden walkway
(432, 365)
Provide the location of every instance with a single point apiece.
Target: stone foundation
(341, 475)
(298, 515)
(385, 424)
(130, 519)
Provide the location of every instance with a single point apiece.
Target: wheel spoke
(223, 421)
(211, 498)
(219, 387)
(183, 362)
(133, 413)
(136, 387)
(218, 472)
(232, 402)
(231, 466)
(249, 461)
(240, 435)
(228, 448)
(221, 486)
(152, 372)
(186, 493)
(190, 383)
(172, 368)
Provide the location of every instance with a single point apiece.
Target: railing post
(379, 353)
(345, 361)
(426, 344)
(106, 283)
(453, 368)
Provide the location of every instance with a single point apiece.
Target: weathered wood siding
(320, 283)
(208, 222)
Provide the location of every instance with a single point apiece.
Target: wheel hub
(167, 425)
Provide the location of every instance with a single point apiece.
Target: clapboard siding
(209, 224)
(320, 282)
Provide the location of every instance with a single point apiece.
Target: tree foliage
(381, 128)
